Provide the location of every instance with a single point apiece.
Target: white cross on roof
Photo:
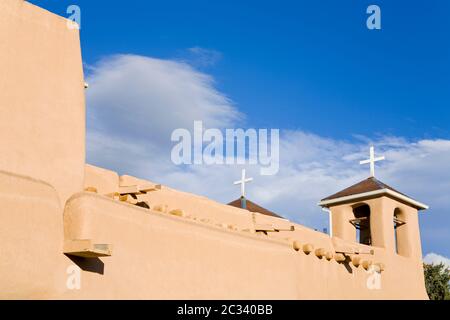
(242, 182)
(372, 161)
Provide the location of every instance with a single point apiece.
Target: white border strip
(390, 192)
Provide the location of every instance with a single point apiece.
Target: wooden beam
(339, 257)
(273, 228)
(308, 248)
(86, 249)
(139, 188)
(296, 245)
(346, 249)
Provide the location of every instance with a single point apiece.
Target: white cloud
(135, 102)
(433, 258)
(142, 96)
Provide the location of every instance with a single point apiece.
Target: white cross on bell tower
(372, 161)
(242, 182)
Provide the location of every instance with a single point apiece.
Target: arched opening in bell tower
(361, 222)
(400, 233)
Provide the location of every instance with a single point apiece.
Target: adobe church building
(70, 230)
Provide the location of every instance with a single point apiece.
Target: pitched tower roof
(253, 207)
(368, 188)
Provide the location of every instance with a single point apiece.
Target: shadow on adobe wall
(94, 265)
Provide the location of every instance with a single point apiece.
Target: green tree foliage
(437, 277)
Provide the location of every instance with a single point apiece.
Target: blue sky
(306, 64)
(311, 68)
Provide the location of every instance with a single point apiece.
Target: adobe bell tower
(375, 214)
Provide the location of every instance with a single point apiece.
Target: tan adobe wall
(158, 255)
(42, 97)
(167, 199)
(313, 274)
(105, 181)
(31, 238)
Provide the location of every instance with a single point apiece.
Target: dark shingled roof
(368, 185)
(253, 207)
